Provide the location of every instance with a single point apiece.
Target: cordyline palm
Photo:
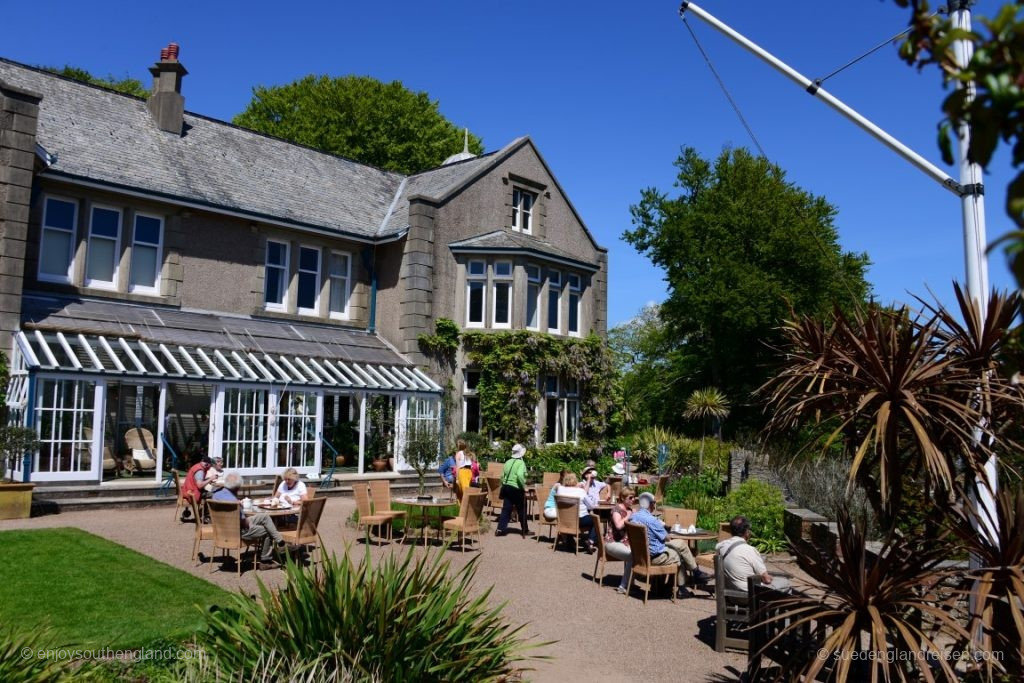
(865, 603)
(702, 404)
(910, 396)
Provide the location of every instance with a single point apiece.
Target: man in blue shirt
(255, 527)
(672, 552)
(447, 471)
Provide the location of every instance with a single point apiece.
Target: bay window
(554, 302)
(476, 293)
(574, 305)
(532, 297)
(502, 287)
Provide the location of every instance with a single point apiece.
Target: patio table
(425, 507)
(691, 539)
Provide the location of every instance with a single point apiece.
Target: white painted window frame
(554, 281)
(112, 283)
(534, 281)
(51, 277)
(283, 305)
(575, 300)
(97, 412)
(158, 275)
(347, 277)
(504, 281)
(522, 218)
(299, 270)
(471, 279)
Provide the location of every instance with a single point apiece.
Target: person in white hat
(513, 491)
(619, 470)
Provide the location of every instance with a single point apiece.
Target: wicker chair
(468, 521)
(366, 517)
(680, 516)
(568, 523)
(140, 441)
(306, 531)
(602, 556)
(659, 489)
(551, 478)
(204, 532)
(637, 534)
(542, 492)
(380, 494)
(615, 484)
(494, 493)
(227, 532)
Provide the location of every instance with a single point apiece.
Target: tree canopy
(742, 249)
(382, 124)
(126, 85)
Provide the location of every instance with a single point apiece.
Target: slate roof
(503, 240)
(175, 327)
(107, 137)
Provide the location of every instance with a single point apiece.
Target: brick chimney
(166, 104)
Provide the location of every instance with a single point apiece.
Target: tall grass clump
(403, 619)
(23, 658)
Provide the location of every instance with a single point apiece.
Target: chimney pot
(172, 51)
(164, 54)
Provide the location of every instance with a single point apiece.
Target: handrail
(168, 477)
(327, 481)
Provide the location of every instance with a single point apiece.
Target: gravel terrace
(601, 635)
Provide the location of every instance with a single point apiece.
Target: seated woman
(291, 489)
(616, 541)
(550, 510)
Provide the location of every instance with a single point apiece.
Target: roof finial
(465, 141)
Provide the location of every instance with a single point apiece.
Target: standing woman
(513, 490)
(463, 469)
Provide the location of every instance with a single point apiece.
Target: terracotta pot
(380, 465)
(340, 461)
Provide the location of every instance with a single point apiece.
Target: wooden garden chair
(494, 494)
(550, 478)
(204, 532)
(306, 531)
(468, 521)
(637, 534)
(176, 477)
(602, 554)
(366, 517)
(731, 607)
(227, 532)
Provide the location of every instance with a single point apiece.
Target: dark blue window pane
(147, 230)
(309, 259)
(273, 282)
(276, 253)
(307, 290)
(60, 214)
(105, 222)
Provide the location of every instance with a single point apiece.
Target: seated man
(255, 527)
(739, 560)
(447, 471)
(673, 552)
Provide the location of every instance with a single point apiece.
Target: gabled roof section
(504, 242)
(440, 184)
(108, 138)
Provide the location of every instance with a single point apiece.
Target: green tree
(741, 248)
(643, 360)
(126, 85)
(382, 124)
(703, 404)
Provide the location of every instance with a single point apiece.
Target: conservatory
(116, 390)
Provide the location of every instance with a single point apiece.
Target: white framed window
(522, 210)
(553, 408)
(471, 402)
(57, 242)
(147, 254)
(532, 297)
(554, 302)
(308, 297)
(501, 285)
(339, 271)
(244, 427)
(476, 293)
(104, 249)
(574, 305)
(296, 429)
(65, 417)
(275, 276)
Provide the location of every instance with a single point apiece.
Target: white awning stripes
(132, 357)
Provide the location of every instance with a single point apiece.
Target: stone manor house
(172, 285)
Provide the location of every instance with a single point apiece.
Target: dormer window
(522, 210)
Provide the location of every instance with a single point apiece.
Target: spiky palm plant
(909, 396)
(868, 609)
(703, 404)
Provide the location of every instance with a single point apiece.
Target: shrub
(410, 617)
(706, 484)
(759, 502)
(16, 667)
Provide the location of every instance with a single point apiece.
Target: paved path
(602, 636)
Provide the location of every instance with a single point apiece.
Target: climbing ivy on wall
(510, 364)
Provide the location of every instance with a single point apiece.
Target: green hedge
(762, 504)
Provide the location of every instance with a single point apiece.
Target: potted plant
(15, 497)
(421, 451)
(382, 423)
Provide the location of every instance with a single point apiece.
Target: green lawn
(95, 593)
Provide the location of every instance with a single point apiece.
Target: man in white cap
(619, 470)
(513, 491)
(672, 552)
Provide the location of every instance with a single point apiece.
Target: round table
(425, 507)
(691, 539)
(273, 512)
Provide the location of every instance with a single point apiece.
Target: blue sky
(608, 91)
